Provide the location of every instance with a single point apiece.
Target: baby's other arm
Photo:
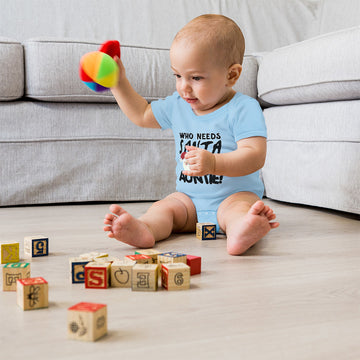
(134, 106)
(247, 158)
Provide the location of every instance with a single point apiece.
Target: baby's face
(200, 81)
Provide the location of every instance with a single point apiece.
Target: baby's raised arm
(134, 106)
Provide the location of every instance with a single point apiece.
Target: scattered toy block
(77, 269)
(206, 231)
(171, 257)
(32, 293)
(9, 252)
(175, 276)
(139, 258)
(87, 321)
(35, 246)
(144, 277)
(13, 272)
(149, 252)
(97, 275)
(93, 255)
(195, 264)
(121, 273)
(109, 259)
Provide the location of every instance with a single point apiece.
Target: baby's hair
(219, 33)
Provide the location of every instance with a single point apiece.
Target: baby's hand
(122, 74)
(201, 161)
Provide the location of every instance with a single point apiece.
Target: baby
(222, 133)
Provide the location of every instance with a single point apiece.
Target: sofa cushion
(11, 69)
(52, 71)
(325, 68)
(313, 152)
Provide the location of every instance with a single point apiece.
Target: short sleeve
(162, 110)
(248, 119)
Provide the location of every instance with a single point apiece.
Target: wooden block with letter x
(9, 252)
(87, 321)
(32, 293)
(13, 272)
(144, 277)
(35, 246)
(175, 276)
(97, 275)
(206, 231)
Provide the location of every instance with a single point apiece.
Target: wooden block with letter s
(97, 275)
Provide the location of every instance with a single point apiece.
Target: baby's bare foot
(124, 227)
(250, 229)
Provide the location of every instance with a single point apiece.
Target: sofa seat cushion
(11, 69)
(324, 68)
(76, 152)
(313, 154)
(52, 71)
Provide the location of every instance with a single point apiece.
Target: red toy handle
(111, 47)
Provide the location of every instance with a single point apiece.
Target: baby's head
(218, 34)
(206, 57)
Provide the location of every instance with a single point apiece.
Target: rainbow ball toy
(98, 70)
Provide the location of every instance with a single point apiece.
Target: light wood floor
(295, 295)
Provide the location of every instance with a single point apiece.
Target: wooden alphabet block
(9, 252)
(175, 276)
(149, 252)
(171, 257)
(13, 272)
(94, 255)
(32, 293)
(77, 269)
(97, 275)
(121, 273)
(35, 246)
(87, 321)
(195, 264)
(206, 231)
(139, 258)
(144, 277)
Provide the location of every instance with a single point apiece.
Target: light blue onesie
(216, 132)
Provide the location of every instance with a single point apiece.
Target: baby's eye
(177, 76)
(197, 78)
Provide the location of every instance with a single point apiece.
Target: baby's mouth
(191, 100)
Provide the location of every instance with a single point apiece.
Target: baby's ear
(234, 73)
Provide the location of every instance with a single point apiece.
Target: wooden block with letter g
(87, 321)
(35, 246)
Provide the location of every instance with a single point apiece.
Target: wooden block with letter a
(121, 273)
(35, 246)
(206, 231)
(87, 321)
(175, 276)
(32, 293)
(97, 275)
(13, 272)
(9, 252)
(144, 277)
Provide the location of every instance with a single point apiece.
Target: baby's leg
(245, 220)
(175, 213)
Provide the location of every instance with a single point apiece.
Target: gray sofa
(60, 142)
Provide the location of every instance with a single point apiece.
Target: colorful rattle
(98, 70)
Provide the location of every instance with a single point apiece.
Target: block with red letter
(195, 264)
(13, 272)
(32, 293)
(9, 252)
(175, 276)
(97, 275)
(87, 321)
